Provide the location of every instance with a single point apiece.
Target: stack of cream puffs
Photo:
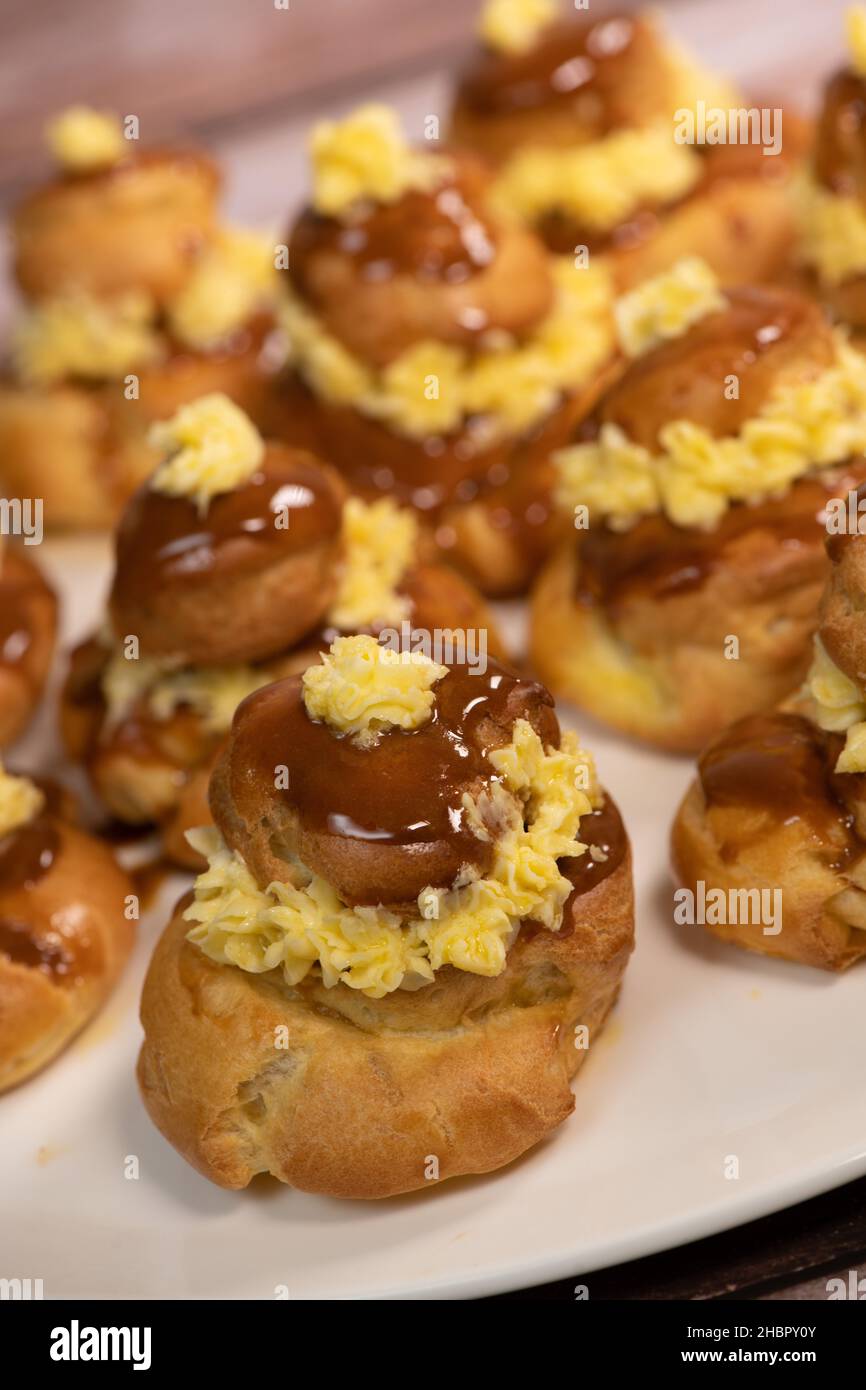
(415, 917)
(439, 351)
(698, 488)
(235, 564)
(779, 802)
(580, 115)
(137, 300)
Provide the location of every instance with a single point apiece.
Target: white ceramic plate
(710, 1053)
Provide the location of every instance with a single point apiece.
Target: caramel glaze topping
(163, 541)
(511, 478)
(405, 793)
(26, 854)
(440, 235)
(782, 764)
(840, 144)
(658, 560)
(406, 789)
(590, 66)
(604, 830)
(760, 331)
(18, 587)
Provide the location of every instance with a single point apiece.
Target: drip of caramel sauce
(840, 144)
(782, 764)
(438, 235)
(658, 560)
(408, 788)
(604, 830)
(164, 540)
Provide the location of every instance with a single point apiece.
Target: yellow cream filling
(838, 706)
(832, 232)
(537, 810)
(666, 306)
(211, 446)
(433, 387)
(695, 477)
(602, 184)
(82, 337)
(231, 280)
(379, 541)
(366, 156)
(20, 801)
(512, 26)
(364, 690)
(82, 139)
(213, 693)
(855, 34)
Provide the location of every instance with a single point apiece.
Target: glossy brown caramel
(761, 329)
(840, 143)
(658, 560)
(602, 829)
(27, 854)
(781, 764)
(589, 65)
(22, 591)
(408, 788)
(438, 472)
(439, 235)
(164, 541)
(20, 945)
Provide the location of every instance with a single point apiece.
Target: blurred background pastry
(234, 565)
(831, 196)
(67, 917)
(579, 113)
(425, 903)
(138, 300)
(28, 628)
(779, 801)
(439, 352)
(689, 591)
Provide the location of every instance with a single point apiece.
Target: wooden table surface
(245, 78)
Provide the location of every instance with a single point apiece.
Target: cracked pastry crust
(470, 1071)
(64, 940)
(843, 602)
(767, 811)
(28, 628)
